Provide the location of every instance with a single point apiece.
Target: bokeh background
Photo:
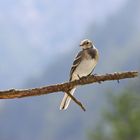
(38, 42)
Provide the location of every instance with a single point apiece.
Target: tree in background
(122, 119)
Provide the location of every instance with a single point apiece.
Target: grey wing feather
(76, 63)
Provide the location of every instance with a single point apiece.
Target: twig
(76, 101)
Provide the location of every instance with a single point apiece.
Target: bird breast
(84, 68)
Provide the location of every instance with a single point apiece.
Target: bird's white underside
(84, 68)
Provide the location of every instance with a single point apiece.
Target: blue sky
(38, 41)
(34, 33)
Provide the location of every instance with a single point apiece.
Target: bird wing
(76, 62)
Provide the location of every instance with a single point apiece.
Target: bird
(83, 65)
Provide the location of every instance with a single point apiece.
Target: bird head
(86, 44)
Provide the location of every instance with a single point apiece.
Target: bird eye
(87, 43)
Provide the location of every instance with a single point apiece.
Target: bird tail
(66, 100)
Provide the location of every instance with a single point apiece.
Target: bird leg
(78, 76)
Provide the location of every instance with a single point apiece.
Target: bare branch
(76, 101)
(64, 87)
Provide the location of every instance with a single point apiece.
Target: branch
(76, 101)
(64, 87)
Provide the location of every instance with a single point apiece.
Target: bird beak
(80, 45)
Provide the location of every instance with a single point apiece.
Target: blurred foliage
(122, 119)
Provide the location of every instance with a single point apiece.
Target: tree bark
(65, 87)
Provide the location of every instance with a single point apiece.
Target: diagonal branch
(76, 101)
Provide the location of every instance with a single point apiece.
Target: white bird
(83, 65)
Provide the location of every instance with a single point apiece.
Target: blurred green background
(38, 42)
(121, 119)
